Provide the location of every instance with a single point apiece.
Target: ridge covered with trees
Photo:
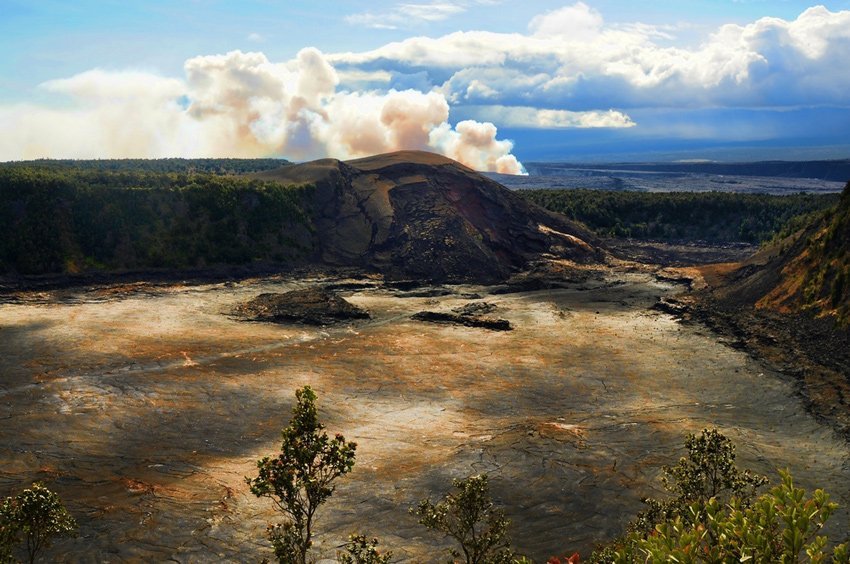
(826, 285)
(71, 220)
(714, 217)
(211, 166)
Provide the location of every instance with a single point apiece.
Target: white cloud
(570, 69)
(407, 14)
(474, 144)
(432, 12)
(524, 116)
(242, 104)
(572, 60)
(578, 22)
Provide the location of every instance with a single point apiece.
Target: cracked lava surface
(146, 410)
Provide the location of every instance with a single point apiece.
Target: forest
(212, 166)
(76, 219)
(713, 217)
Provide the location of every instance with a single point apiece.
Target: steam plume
(242, 104)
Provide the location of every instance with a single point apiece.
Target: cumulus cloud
(242, 104)
(571, 59)
(474, 144)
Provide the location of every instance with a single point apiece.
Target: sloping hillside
(413, 214)
(808, 271)
(789, 305)
(826, 283)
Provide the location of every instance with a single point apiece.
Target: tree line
(201, 166)
(714, 217)
(71, 220)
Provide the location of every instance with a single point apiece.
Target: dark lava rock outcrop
(417, 215)
(469, 315)
(475, 308)
(466, 320)
(313, 306)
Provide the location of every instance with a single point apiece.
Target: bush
(708, 471)
(470, 517)
(716, 517)
(360, 550)
(781, 526)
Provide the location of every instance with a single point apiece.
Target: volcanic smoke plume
(242, 105)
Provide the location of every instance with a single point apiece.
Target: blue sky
(594, 80)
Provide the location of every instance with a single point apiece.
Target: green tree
(360, 550)
(470, 517)
(300, 478)
(708, 471)
(38, 515)
(781, 526)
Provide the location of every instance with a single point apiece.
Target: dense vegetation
(211, 166)
(69, 220)
(715, 217)
(71, 216)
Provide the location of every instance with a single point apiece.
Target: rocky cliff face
(419, 215)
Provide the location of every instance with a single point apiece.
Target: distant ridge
(832, 170)
(171, 164)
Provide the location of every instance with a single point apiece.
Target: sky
(491, 83)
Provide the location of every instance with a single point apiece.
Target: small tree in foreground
(301, 477)
(780, 526)
(8, 531)
(715, 516)
(38, 515)
(708, 471)
(470, 517)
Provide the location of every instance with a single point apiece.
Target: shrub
(781, 526)
(360, 550)
(708, 471)
(470, 517)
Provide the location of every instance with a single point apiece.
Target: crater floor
(146, 408)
